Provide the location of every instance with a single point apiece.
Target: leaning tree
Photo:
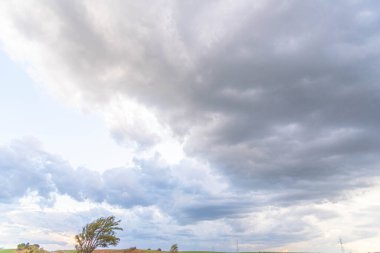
(174, 248)
(99, 233)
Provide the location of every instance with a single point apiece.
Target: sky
(201, 123)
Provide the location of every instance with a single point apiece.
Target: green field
(199, 252)
(64, 251)
(7, 250)
(146, 251)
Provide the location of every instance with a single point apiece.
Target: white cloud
(232, 111)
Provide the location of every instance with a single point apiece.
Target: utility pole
(341, 244)
(237, 246)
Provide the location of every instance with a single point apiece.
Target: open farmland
(131, 251)
(7, 250)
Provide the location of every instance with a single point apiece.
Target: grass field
(125, 251)
(65, 251)
(7, 250)
(199, 252)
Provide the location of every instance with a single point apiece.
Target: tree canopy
(174, 248)
(30, 248)
(99, 233)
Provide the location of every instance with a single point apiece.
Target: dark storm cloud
(282, 97)
(293, 99)
(210, 212)
(210, 208)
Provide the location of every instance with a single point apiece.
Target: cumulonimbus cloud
(274, 95)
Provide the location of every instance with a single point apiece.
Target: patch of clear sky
(28, 111)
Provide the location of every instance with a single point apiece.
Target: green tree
(21, 246)
(174, 248)
(99, 233)
(35, 248)
(30, 248)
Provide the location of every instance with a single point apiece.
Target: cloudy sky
(200, 123)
